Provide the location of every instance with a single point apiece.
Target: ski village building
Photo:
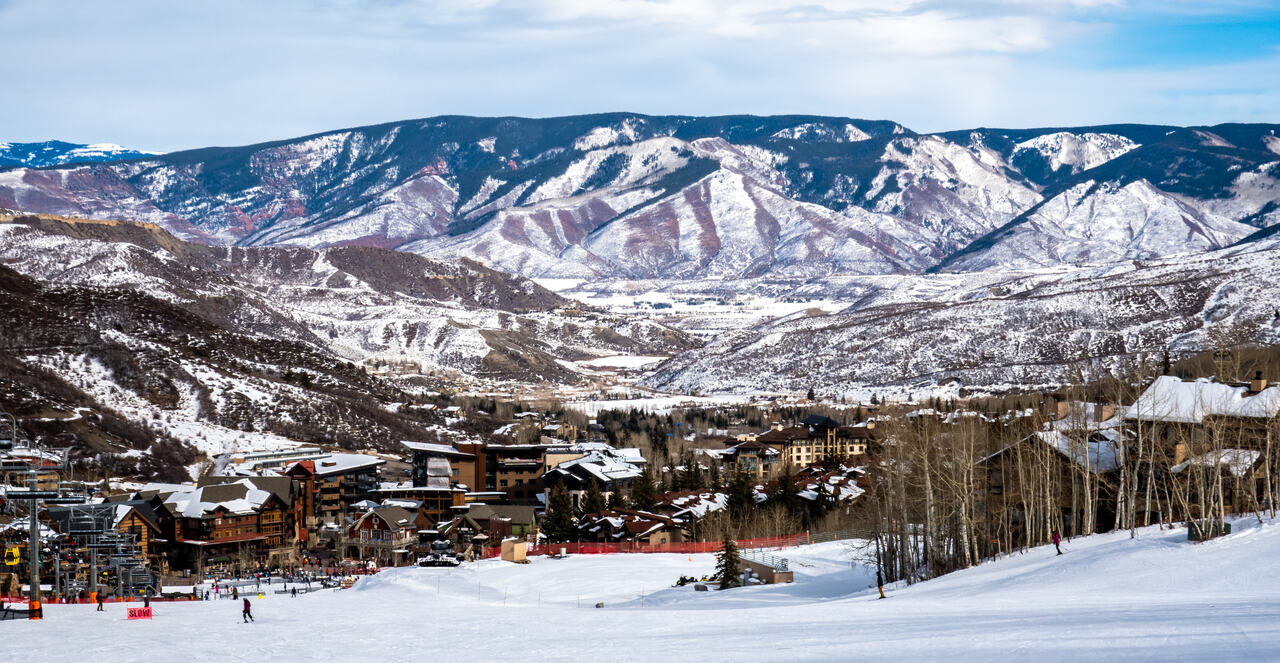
(1201, 428)
(275, 508)
(813, 439)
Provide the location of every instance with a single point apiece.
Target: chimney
(1258, 383)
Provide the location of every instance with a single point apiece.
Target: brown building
(631, 525)
(381, 535)
(816, 438)
(337, 481)
(466, 462)
(231, 526)
(435, 503)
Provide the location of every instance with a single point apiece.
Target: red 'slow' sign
(140, 613)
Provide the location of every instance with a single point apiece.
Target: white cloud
(162, 75)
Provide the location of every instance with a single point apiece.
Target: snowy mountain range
(57, 153)
(991, 256)
(632, 196)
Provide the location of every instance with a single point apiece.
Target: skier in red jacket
(1056, 540)
(248, 616)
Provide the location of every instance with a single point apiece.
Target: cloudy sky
(167, 75)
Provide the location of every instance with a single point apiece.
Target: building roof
(818, 421)
(755, 445)
(1239, 462)
(435, 449)
(393, 517)
(515, 513)
(1172, 399)
(840, 485)
(1100, 452)
(622, 524)
(603, 466)
(342, 463)
(241, 497)
(406, 487)
(697, 503)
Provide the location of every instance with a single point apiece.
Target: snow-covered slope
(1098, 223)
(1156, 597)
(991, 329)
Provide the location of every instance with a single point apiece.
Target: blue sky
(167, 75)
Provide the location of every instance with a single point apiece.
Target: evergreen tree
(727, 564)
(690, 477)
(617, 500)
(643, 492)
(817, 508)
(559, 523)
(714, 479)
(741, 496)
(786, 494)
(1165, 364)
(594, 501)
(810, 394)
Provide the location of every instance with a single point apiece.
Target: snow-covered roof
(604, 467)
(339, 463)
(631, 454)
(1239, 462)
(1099, 453)
(697, 502)
(239, 498)
(428, 447)
(1171, 399)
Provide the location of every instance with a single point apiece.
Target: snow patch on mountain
(486, 191)
(599, 137)
(1272, 142)
(821, 132)
(1078, 152)
(625, 165)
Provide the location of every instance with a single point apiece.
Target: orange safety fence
(685, 548)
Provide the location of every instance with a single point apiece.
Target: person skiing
(295, 593)
(99, 601)
(248, 614)
(1056, 540)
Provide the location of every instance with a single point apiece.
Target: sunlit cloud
(160, 75)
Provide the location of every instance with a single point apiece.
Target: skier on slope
(1056, 540)
(248, 614)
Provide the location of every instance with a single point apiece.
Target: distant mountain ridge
(623, 195)
(58, 153)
